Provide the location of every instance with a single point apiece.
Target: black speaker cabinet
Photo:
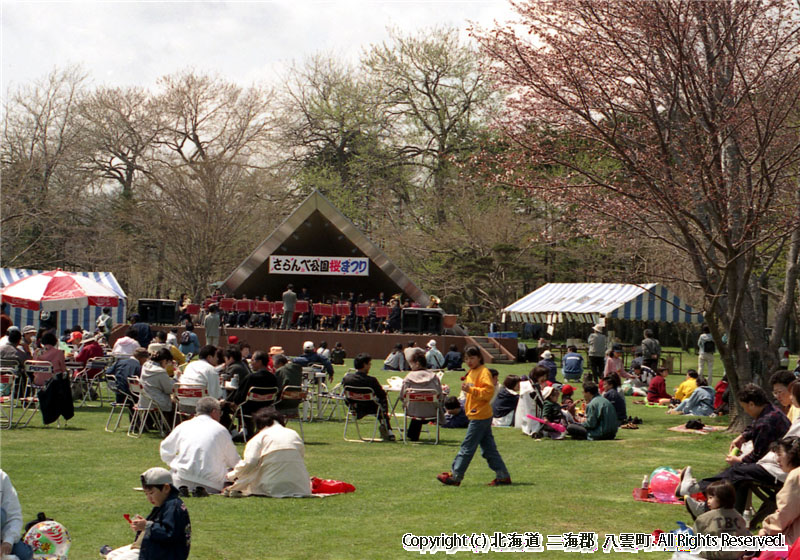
(162, 311)
(420, 320)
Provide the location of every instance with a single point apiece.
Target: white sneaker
(696, 508)
(688, 484)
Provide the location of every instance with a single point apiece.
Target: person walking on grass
(479, 389)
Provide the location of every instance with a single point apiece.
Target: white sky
(134, 43)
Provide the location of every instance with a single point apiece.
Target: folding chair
(335, 399)
(263, 396)
(30, 400)
(294, 394)
(94, 383)
(360, 395)
(187, 396)
(141, 414)
(767, 493)
(7, 380)
(128, 403)
(426, 398)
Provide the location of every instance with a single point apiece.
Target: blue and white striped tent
(86, 317)
(586, 303)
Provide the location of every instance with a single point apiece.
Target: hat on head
(28, 329)
(155, 347)
(597, 328)
(431, 343)
(308, 345)
(567, 389)
(233, 339)
(547, 355)
(547, 391)
(157, 476)
(76, 336)
(12, 328)
(275, 350)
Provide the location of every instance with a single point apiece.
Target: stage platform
(377, 345)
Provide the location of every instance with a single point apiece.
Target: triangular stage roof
(316, 228)
(586, 303)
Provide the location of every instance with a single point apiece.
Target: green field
(84, 478)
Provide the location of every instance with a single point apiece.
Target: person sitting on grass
(552, 413)
(338, 354)
(11, 524)
(786, 518)
(612, 394)
(166, 533)
(479, 389)
(687, 387)
(199, 451)
(699, 403)
(395, 360)
(531, 401)
(453, 360)
(601, 417)
(361, 379)
(504, 404)
(769, 425)
(454, 416)
(272, 464)
(657, 391)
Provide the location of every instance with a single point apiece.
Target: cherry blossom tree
(671, 120)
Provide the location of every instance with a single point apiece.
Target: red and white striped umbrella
(57, 290)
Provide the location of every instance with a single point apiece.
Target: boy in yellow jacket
(479, 388)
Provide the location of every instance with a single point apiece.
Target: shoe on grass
(447, 479)
(200, 492)
(183, 491)
(501, 482)
(688, 484)
(696, 508)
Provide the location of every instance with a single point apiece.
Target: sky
(134, 43)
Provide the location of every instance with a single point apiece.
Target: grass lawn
(83, 477)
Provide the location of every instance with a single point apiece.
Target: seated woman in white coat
(273, 461)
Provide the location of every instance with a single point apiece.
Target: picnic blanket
(638, 495)
(706, 430)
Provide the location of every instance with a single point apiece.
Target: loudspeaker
(420, 320)
(158, 311)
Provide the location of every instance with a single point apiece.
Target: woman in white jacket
(273, 461)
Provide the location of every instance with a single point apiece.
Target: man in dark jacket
(143, 333)
(361, 378)
(310, 356)
(261, 378)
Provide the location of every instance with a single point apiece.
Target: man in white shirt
(202, 372)
(126, 345)
(200, 451)
(11, 524)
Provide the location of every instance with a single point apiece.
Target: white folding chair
(30, 400)
(142, 413)
(428, 399)
(262, 396)
(360, 395)
(7, 401)
(293, 394)
(95, 383)
(116, 408)
(187, 395)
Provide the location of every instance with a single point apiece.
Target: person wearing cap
(203, 371)
(548, 362)
(213, 325)
(200, 451)
(11, 524)
(26, 344)
(310, 356)
(189, 343)
(166, 533)
(233, 340)
(433, 356)
(597, 352)
(90, 349)
(273, 351)
(75, 338)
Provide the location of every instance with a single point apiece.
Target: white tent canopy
(587, 303)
